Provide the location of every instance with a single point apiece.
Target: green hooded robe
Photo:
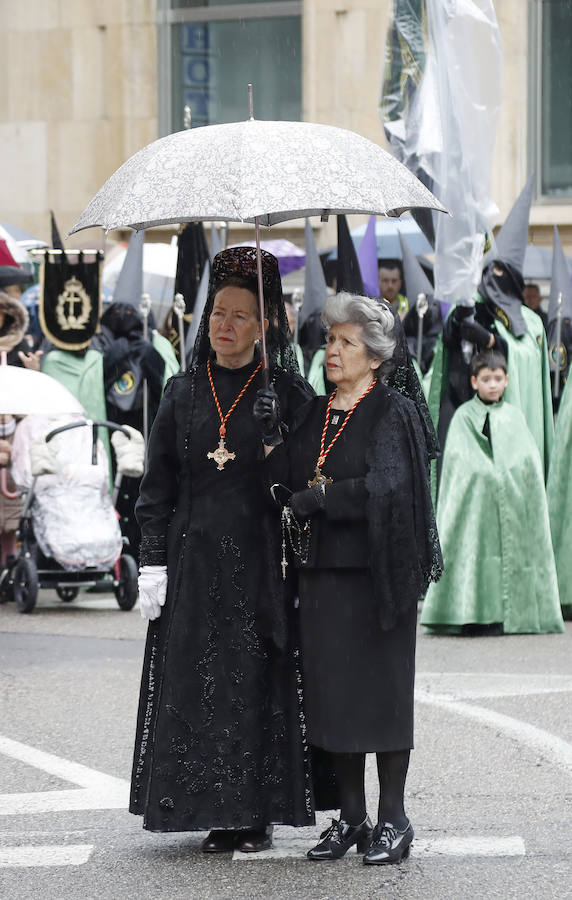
(527, 369)
(493, 524)
(559, 491)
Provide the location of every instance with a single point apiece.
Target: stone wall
(79, 96)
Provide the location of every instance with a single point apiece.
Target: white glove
(129, 452)
(152, 584)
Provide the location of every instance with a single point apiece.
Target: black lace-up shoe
(253, 840)
(220, 841)
(388, 845)
(336, 840)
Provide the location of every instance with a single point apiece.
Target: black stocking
(392, 770)
(350, 773)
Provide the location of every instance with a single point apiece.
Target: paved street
(489, 791)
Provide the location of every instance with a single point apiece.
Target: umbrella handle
(261, 302)
(11, 495)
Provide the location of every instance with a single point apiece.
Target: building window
(210, 52)
(551, 96)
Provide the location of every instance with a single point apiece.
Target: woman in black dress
(361, 527)
(220, 741)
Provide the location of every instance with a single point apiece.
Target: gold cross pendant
(221, 455)
(319, 478)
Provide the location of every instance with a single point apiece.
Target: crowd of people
(295, 509)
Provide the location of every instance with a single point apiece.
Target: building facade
(89, 82)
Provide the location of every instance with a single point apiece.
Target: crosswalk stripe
(35, 856)
(448, 845)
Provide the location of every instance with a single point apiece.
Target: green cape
(316, 372)
(493, 524)
(527, 368)
(559, 491)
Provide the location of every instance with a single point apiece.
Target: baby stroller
(69, 530)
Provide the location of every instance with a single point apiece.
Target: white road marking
(448, 845)
(476, 845)
(100, 791)
(479, 685)
(552, 748)
(31, 857)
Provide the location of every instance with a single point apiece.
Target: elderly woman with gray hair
(358, 525)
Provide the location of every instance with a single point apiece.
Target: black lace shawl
(403, 543)
(399, 373)
(405, 554)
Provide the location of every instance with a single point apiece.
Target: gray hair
(375, 320)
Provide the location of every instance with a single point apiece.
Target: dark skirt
(358, 679)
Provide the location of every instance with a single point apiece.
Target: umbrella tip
(250, 104)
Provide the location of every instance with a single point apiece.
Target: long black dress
(220, 740)
(358, 665)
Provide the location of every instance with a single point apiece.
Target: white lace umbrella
(255, 171)
(270, 171)
(24, 392)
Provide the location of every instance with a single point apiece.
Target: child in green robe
(492, 518)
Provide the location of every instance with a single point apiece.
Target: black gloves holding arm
(308, 502)
(266, 412)
(475, 333)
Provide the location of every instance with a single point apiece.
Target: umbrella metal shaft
(261, 303)
(557, 361)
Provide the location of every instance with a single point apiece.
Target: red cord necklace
(221, 455)
(319, 478)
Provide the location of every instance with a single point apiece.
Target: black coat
(372, 550)
(220, 730)
(391, 498)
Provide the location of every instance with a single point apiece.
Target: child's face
(490, 384)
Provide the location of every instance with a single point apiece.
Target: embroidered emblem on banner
(73, 308)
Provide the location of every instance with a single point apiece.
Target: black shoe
(336, 840)
(220, 841)
(253, 840)
(388, 845)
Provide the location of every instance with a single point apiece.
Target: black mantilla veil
(237, 266)
(399, 373)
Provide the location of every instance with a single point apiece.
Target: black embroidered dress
(220, 739)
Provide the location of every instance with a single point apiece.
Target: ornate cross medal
(221, 455)
(319, 477)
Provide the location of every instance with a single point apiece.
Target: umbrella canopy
(538, 262)
(16, 250)
(250, 171)
(24, 392)
(23, 238)
(289, 256)
(159, 270)
(387, 232)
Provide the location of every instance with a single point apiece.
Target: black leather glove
(462, 312)
(475, 333)
(308, 502)
(266, 412)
